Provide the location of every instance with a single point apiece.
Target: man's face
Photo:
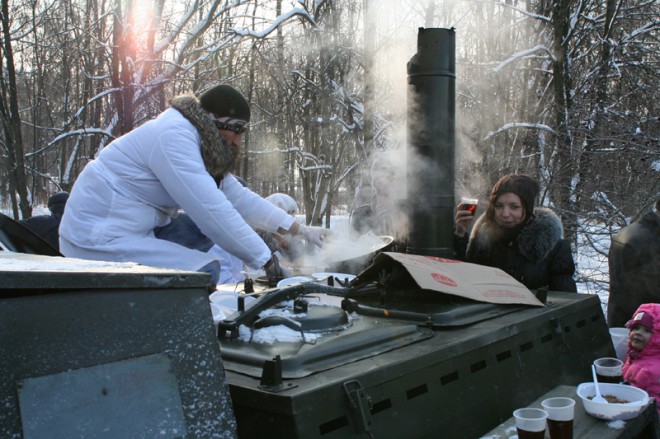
(232, 138)
(232, 131)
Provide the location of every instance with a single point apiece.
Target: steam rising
(391, 42)
(343, 245)
(479, 85)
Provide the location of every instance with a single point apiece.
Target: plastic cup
(560, 416)
(469, 204)
(620, 341)
(609, 370)
(530, 423)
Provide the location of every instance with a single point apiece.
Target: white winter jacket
(139, 182)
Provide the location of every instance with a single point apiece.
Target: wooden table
(586, 426)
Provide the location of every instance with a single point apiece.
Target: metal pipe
(431, 143)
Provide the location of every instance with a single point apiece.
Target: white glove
(316, 235)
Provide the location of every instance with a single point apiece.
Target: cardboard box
(463, 279)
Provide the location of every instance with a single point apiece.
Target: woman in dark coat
(512, 235)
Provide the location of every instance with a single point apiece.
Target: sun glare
(141, 16)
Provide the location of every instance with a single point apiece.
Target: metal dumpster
(108, 350)
(392, 376)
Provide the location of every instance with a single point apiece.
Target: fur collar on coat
(218, 156)
(535, 240)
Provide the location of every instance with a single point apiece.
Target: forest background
(565, 90)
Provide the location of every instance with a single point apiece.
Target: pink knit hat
(641, 318)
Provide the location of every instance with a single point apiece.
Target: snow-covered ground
(591, 260)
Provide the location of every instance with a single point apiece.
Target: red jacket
(642, 368)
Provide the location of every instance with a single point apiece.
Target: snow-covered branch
(80, 132)
(523, 54)
(648, 27)
(300, 12)
(95, 98)
(531, 126)
(526, 13)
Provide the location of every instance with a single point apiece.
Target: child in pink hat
(642, 364)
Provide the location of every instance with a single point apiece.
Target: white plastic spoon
(597, 398)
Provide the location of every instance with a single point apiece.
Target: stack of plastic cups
(620, 341)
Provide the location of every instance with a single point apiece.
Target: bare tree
(11, 122)
(103, 67)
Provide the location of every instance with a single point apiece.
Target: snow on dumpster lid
(35, 273)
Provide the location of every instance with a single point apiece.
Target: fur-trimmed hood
(642, 368)
(536, 239)
(652, 348)
(218, 156)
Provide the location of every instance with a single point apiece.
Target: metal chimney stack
(431, 143)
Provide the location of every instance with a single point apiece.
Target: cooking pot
(356, 256)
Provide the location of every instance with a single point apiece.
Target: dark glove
(274, 271)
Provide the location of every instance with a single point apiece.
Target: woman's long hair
(526, 187)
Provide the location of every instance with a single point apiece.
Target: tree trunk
(588, 181)
(563, 165)
(123, 53)
(11, 121)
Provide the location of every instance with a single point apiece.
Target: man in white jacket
(181, 159)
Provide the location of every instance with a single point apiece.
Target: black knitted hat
(520, 184)
(57, 201)
(225, 101)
